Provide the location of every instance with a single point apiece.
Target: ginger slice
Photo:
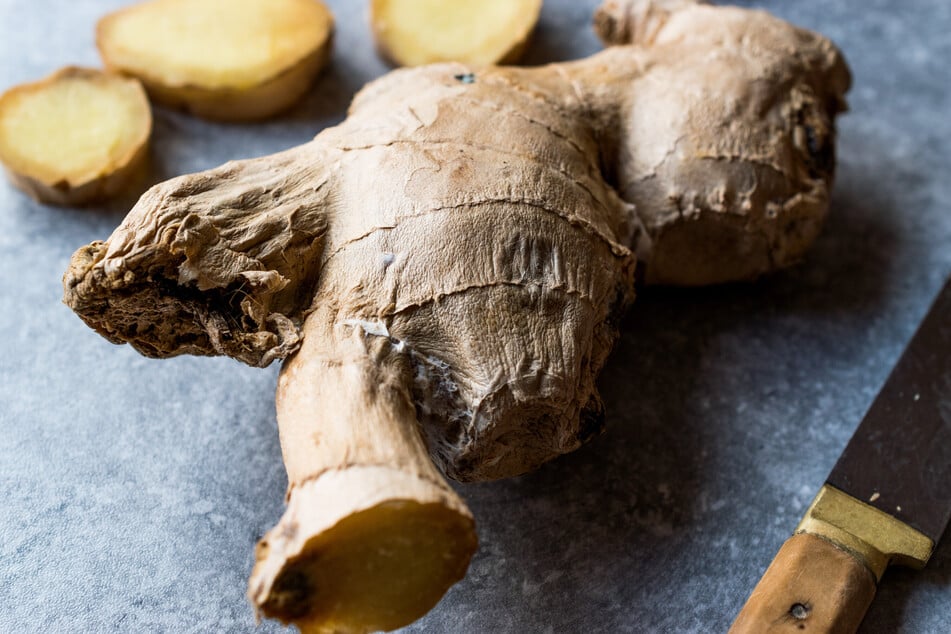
(75, 136)
(477, 32)
(233, 60)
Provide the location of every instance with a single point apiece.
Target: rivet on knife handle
(824, 577)
(811, 586)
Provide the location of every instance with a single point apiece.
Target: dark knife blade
(899, 459)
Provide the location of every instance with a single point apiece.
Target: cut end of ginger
(349, 556)
(74, 136)
(475, 32)
(222, 59)
(377, 570)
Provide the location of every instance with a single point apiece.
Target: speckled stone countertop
(132, 491)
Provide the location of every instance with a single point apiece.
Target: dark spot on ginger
(821, 154)
(592, 420)
(288, 597)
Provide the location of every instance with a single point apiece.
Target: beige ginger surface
(457, 254)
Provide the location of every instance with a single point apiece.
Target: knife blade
(887, 500)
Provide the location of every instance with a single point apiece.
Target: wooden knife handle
(812, 586)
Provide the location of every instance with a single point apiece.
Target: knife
(887, 500)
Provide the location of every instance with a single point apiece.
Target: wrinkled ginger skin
(458, 252)
(355, 223)
(731, 172)
(473, 218)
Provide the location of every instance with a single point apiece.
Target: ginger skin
(455, 257)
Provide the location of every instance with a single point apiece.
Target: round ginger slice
(474, 32)
(227, 60)
(76, 136)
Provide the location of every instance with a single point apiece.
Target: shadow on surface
(556, 37)
(895, 589)
(547, 45)
(327, 100)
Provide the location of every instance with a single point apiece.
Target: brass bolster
(874, 537)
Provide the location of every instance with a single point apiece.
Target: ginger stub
(377, 565)
(476, 32)
(231, 60)
(76, 136)
(444, 273)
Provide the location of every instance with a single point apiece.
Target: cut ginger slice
(476, 32)
(231, 60)
(75, 136)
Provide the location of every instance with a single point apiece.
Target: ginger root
(475, 32)
(76, 136)
(445, 272)
(230, 60)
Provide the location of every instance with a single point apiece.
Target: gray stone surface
(132, 491)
